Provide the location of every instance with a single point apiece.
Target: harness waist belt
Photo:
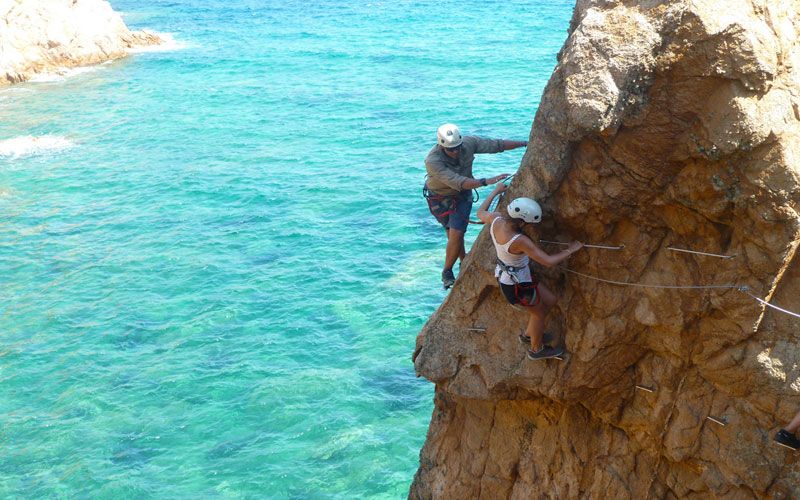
(510, 270)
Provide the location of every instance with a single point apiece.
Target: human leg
(535, 328)
(794, 424)
(537, 315)
(450, 256)
(786, 436)
(455, 247)
(456, 225)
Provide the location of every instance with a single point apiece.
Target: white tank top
(518, 261)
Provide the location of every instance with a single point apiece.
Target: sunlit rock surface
(49, 36)
(665, 124)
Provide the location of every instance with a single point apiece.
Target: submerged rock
(666, 124)
(49, 36)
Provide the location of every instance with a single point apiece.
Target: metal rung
(476, 329)
(719, 421)
(645, 388)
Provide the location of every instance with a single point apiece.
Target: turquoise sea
(214, 259)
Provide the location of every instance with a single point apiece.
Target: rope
(489, 209)
(742, 288)
(701, 253)
(605, 247)
(645, 285)
(496, 203)
(790, 313)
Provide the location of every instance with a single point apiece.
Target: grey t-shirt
(445, 174)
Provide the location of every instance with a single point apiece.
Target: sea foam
(28, 145)
(62, 74)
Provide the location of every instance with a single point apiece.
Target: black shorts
(526, 294)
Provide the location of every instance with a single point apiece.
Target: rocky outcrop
(666, 124)
(49, 36)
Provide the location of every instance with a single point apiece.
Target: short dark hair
(518, 223)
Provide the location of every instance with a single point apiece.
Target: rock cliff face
(668, 123)
(48, 36)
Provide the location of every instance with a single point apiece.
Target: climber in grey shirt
(449, 186)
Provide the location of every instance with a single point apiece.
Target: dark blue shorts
(452, 212)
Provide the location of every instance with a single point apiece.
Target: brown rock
(670, 123)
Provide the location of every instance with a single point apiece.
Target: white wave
(61, 74)
(6, 94)
(28, 145)
(169, 44)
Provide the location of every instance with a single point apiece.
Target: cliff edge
(666, 125)
(49, 36)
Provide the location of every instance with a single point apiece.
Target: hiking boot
(546, 338)
(546, 352)
(787, 439)
(448, 278)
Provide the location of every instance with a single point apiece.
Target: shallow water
(214, 260)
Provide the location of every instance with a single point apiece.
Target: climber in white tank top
(516, 268)
(514, 253)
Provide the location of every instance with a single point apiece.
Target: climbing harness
(442, 205)
(526, 293)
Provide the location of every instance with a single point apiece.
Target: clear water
(214, 261)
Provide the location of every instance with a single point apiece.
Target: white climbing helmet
(525, 209)
(448, 136)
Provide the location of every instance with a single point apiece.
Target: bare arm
(524, 244)
(483, 211)
(476, 183)
(513, 144)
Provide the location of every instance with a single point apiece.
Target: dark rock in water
(227, 448)
(398, 388)
(134, 450)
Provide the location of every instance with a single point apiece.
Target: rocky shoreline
(56, 35)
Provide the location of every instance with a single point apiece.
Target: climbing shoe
(787, 439)
(546, 338)
(546, 352)
(448, 278)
